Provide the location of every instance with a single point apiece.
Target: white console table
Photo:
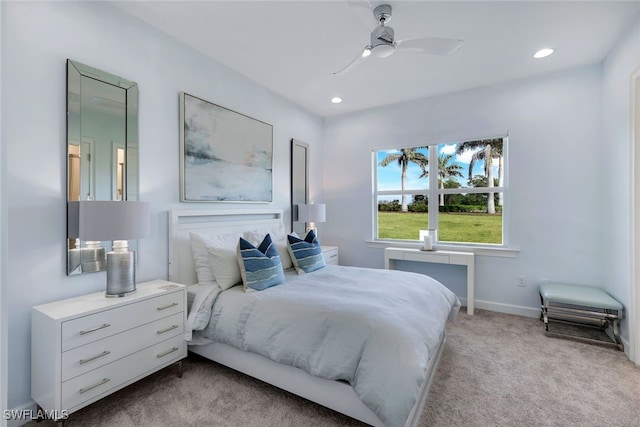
(438, 257)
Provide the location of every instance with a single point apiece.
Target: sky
(389, 177)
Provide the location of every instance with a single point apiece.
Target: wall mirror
(299, 182)
(102, 150)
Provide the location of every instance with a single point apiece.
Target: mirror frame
(299, 171)
(76, 71)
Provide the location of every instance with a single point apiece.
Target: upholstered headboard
(182, 222)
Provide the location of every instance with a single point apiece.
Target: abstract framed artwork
(225, 156)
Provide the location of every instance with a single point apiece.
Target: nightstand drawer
(98, 382)
(83, 330)
(83, 359)
(330, 254)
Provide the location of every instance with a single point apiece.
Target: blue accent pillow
(306, 254)
(260, 267)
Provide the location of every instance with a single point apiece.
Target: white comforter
(376, 329)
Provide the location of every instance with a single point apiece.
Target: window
(456, 188)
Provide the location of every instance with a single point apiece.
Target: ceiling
(293, 47)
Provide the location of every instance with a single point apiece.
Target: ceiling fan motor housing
(382, 42)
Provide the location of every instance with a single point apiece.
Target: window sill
(477, 250)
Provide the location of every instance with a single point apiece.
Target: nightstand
(330, 254)
(85, 348)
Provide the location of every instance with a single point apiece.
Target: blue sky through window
(389, 177)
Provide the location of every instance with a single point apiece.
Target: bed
(356, 397)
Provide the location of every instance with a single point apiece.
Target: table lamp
(118, 221)
(311, 214)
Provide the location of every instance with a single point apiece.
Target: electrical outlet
(522, 281)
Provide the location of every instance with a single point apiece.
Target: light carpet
(496, 370)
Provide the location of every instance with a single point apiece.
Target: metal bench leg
(616, 334)
(546, 322)
(543, 314)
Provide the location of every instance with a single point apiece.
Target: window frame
(433, 191)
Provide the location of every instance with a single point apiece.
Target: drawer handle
(88, 331)
(104, 353)
(173, 304)
(333, 256)
(167, 352)
(103, 381)
(170, 328)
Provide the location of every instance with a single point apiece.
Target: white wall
(616, 151)
(555, 189)
(37, 39)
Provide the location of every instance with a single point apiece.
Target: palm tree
(487, 150)
(446, 170)
(404, 157)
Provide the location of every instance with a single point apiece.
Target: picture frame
(299, 182)
(225, 156)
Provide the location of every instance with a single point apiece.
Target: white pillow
(278, 237)
(201, 257)
(223, 259)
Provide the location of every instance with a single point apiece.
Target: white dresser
(85, 348)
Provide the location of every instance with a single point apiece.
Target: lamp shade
(312, 213)
(107, 220)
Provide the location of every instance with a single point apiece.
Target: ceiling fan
(383, 43)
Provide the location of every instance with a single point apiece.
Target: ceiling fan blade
(430, 46)
(357, 60)
(364, 12)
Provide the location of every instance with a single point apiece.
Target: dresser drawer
(101, 381)
(83, 359)
(93, 327)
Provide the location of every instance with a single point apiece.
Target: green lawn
(453, 227)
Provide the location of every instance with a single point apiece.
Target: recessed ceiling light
(336, 100)
(543, 53)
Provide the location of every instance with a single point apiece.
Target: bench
(583, 306)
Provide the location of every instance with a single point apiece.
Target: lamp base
(124, 294)
(121, 274)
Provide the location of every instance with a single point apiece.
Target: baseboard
(627, 347)
(518, 310)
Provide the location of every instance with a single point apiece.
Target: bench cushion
(578, 295)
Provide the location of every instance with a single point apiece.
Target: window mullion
(374, 172)
(433, 187)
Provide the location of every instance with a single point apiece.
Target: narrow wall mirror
(102, 150)
(299, 182)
